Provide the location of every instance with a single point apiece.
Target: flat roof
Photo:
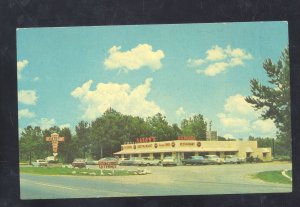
(176, 150)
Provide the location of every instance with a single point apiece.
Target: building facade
(182, 149)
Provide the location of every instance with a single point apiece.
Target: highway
(180, 180)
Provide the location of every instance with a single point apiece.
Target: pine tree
(274, 99)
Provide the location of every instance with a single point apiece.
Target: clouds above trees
(121, 97)
(219, 60)
(240, 117)
(136, 58)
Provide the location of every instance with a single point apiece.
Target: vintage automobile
(194, 160)
(130, 161)
(231, 159)
(147, 161)
(168, 161)
(79, 162)
(91, 162)
(40, 163)
(51, 159)
(108, 162)
(212, 159)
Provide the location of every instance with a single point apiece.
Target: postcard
(154, 110)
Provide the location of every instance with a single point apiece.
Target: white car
(40, 163)
(212, 159)
(168, 161)
(147, 161)
(231, 159)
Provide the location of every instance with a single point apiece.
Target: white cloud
(195, 62)
(20, 66)
(220, 59)
(266, 127)
(44, 123)
(28, 97)
(81, 91)
(214, 69)
(65, 126)
(234, 124)
(237, 105)
(240, 117)
(238, 53)
(180, 112)
(140, 56)
(216, 53)
(120, 97)
(25, 113)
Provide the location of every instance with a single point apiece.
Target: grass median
(274, 177)
(73, 171)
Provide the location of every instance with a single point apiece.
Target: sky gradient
(70, 74)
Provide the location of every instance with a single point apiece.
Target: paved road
(180, 180)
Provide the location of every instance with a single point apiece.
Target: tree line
(105, 135)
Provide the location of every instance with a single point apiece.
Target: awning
(265, 150)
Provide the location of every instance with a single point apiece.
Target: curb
(285, 175)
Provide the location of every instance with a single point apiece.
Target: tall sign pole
(55, 139)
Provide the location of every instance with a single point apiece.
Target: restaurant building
(183, 148)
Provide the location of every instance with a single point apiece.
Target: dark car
(194, 160)
(79, 162)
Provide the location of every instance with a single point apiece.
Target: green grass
(274, 177)
(289, 173)
(68, 171)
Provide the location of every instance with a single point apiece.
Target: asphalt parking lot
(179, 180)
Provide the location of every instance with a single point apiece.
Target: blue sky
(70, 74)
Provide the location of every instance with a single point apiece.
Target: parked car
(168, 161)
(147, 161)
(40, 163)
(231, 159)
(91, 162)
(194, 160)
(213, 159)
(111, 160)
(130, 161)
(51, 159)
(79, 162)
(108, 162)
